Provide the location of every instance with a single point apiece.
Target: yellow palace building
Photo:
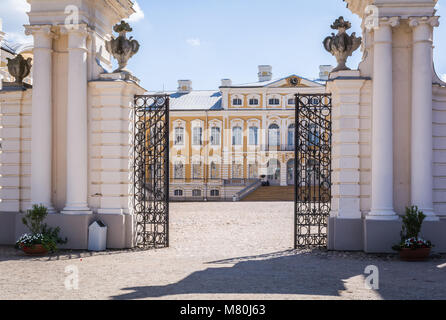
(224, 142)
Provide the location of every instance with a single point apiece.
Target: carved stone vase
(342, 45)
(121, 48)
(19, 68)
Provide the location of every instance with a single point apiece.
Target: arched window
(237, 170)
(313, 172)
(253, 170)
(237, 102)
(215, 136)
(291, 134)
(314, 135)
(179, 170)
(178, 193)
(179, 136)
(197, 136)
(274, 135)
(274, 101)
(291, 101)
(196, 170)
(237, 136)
(215, 193)
(253, 102)
(253, 136)
(196, 193)
(214, 170)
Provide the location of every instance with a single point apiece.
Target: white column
(382, 124)
(41, 141)
(77, 131)
(421, 133)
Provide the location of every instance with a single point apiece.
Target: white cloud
(18, 38)
(13, 7)
(13, 14)
(194, 42)
(138, 15)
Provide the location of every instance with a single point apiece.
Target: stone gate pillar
(350, 118)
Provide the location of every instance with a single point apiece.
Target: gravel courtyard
(221, 251)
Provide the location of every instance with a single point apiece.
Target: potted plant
(42, 238)
(412, 247)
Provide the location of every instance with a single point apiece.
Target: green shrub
(412, 223)
(41, 233)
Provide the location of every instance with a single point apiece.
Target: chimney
(184, 86)
(324, 72)
(226, 82)
(265, 73)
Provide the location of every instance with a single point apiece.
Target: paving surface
(220, 251)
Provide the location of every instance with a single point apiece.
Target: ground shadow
(278, 273)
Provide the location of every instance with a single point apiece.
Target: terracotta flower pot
(36, 249)
(420, 254)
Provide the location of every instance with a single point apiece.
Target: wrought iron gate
(151, 171)
(312, 170)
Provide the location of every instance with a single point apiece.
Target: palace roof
(195, 100)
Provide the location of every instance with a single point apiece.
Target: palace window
(214, 171)
(313, 172)
(196, 170)
(313, 135)
(314, 101)
(215, 136)
(237, 171)
(274, 102)
(215, 193)
(291, 133)
(253, 171)
(178, 193)
(197, 136)
(291, 102)
(237, 136)
(179, 136)
(253, 136)
(274, 135)
(253, 102)
(179, 170)
(237, 102)
(196, 193)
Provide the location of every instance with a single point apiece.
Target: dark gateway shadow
(309, 273)
(278, 273)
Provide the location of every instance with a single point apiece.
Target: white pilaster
(421, 133)
(41, 144)
(77, 134)
(382, 123)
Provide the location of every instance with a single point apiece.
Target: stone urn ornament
(121, 48)
(19, 68)
(342, 45)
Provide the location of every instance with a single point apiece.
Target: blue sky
(207, 40)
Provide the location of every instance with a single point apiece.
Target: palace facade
(224, 141)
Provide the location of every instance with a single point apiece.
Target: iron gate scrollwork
(151, 171)
(313, 140)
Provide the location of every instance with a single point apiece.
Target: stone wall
(15, 157)
(439, 135)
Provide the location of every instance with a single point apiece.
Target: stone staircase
(272, 193)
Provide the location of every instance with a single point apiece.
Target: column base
(430, 215)
(76, 212)
(382, 215)
(111, 211)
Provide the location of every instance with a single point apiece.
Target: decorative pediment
(293, 81)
